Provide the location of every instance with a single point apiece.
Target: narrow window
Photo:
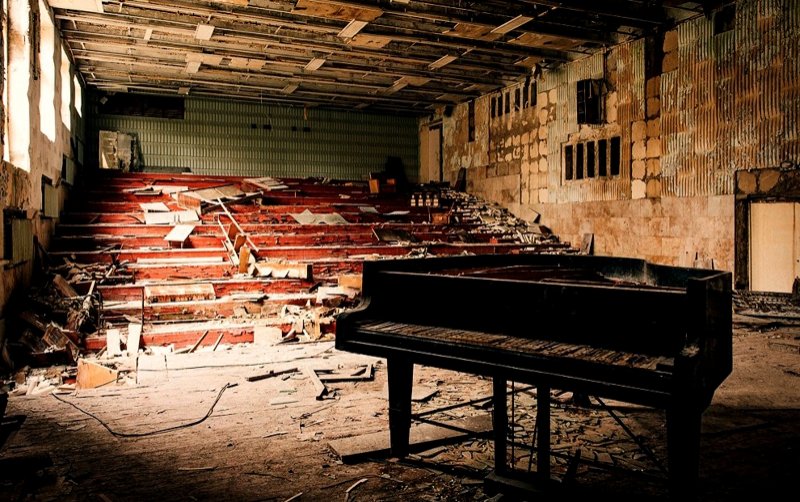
(525, 96)
(66, 91)
(615, 156)
(602, 157)
(579, 161)
(517, 100)
(471, 121)
(590, 170)
(590, 101)
(508, 103)
(76, 86)
(47, 73)
(724, 19)
(568, 169)
(494, 107)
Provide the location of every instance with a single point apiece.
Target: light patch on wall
(19, 76)
(66, 91)
(76, 85)
(204, 32)
(5, 87)
(47, 76)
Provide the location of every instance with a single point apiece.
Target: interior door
(774, 246)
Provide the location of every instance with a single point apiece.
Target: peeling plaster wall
(20, 190)
(691, 108)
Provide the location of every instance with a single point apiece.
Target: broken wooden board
(154, 207)
(194, 199)
(423, 437)
(282, 270)
(393, 235)
(171, 218)
(64, 287)
(92, 375)
(351, 281)
(179, 293)
(271, 374)
(309, 218)
(134, 337)
(365, 374)
(244, 259)
(179, 233)
(113, 343)
(267, 184)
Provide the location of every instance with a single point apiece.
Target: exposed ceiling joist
(385, 54)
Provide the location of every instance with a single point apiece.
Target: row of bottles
(425, 199)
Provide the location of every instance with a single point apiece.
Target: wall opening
(76, 86)
(66, 92)
(47, 73)
(471, 121)
(19, 75)
(4, 76)
(590, 102)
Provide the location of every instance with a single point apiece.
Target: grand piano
(619, 328)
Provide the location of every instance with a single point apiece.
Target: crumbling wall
(20, 189)
(690, 107)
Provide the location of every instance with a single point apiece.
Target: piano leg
(499, 424)
(543, 433)
(400, 376)
(683, 451)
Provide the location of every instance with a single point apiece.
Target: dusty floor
(249, 449)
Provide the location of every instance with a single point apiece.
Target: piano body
(619, 328)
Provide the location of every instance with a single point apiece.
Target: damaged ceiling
(388, 55)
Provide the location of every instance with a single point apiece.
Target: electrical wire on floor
(151, 433)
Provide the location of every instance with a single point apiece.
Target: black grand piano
(620, 328)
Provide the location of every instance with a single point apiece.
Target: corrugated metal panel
(50, 201)
(250, 139)
(734, 101)
(21, 240)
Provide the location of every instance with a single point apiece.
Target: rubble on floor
(154, 262)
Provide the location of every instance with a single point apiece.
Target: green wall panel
(219, 138)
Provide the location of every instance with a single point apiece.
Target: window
(76, 86)
(614, 165)
(588, 159)
(508, 103)
(4, 82)
(471, 121)
(525, 97)
(19, 75)
(517, 100)
(602, 157)
(568, 165)
(533, 92)
(724, 19)
(590, 101)
(494, 107)
(47, 74)
(66, 91)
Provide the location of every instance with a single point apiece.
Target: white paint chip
(442, 61)
(204, 32)
(511, 25)
(352, 28)
(314, 64)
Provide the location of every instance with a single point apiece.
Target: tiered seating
(104, 235)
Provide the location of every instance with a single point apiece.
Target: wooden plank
(201, 260)
(134, 336)
(92, 375)
(239, 242)
(179, 233)
(179, 293)
(352, 281)
(320, 390)
(282, 269)
(244, 259)
(422, 437)
(154, 207)
(271, 373)
(112, 342)
(64, 287)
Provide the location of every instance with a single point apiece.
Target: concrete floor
(249, 449)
